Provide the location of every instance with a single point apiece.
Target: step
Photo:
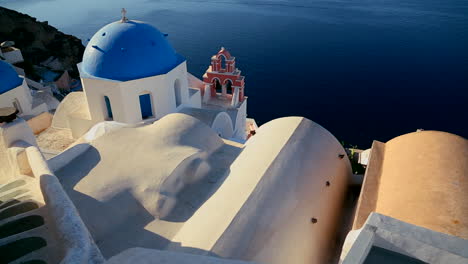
(21, 247)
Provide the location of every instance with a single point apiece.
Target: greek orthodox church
(130, 74)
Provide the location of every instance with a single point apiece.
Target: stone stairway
(38, 221)
(24, 231)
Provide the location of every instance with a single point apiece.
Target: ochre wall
(40, 123)
(422, 180)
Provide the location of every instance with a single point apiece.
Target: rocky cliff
(39, 41)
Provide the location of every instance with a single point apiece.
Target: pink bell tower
(223, 80)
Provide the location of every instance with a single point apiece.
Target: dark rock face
(38, 41)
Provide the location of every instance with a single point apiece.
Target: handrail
(79, 246)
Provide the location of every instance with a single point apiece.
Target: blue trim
(145, 106)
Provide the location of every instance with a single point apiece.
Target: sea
(363, 69)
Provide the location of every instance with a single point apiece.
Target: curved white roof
(263, 210)
(131, 177)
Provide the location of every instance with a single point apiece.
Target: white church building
(131, 74)
(14, 92)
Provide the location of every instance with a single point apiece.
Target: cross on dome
(124, 18)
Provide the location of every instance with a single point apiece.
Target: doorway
(145, 106)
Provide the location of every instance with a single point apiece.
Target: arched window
(178, 93)
(228, 86)
(108, 108)
(217, 85)
(223, 62)
(145, 106)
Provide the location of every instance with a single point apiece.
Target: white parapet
(207, 95)
(235, 97)
(402, 240)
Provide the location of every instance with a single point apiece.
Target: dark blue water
(364, 69)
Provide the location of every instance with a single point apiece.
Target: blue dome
(127, 51)
(9, 79)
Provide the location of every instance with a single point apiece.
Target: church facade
(131, 74)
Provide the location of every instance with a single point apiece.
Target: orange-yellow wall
(420, 178)
(40, 122)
